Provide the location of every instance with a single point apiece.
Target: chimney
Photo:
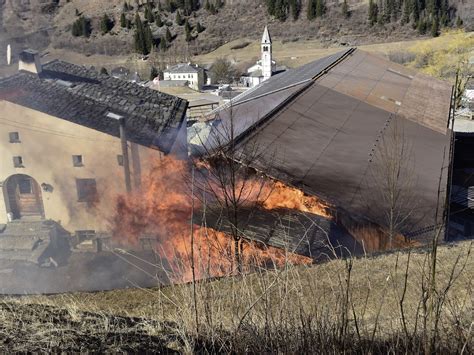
(30, 61)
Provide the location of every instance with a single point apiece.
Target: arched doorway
(24, 197)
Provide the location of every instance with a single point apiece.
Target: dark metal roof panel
(324, 142)
(392, 87)
(290, 77)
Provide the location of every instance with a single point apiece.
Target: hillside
(40, 23)
(367, 305)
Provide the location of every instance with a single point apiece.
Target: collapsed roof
(321, 128)
(303, 233)
(86, 97)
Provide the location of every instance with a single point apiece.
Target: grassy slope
(443, 52)
(376, 288)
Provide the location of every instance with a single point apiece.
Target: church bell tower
(266, 54)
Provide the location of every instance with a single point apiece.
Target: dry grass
(357, 306)
(444, 51)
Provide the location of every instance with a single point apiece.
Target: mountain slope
(39, 23)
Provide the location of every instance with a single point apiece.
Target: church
(264, 68)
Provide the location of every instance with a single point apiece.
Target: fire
(161, 210)
(283, 196)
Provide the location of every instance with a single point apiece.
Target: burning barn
(365, 135)
(71, 137)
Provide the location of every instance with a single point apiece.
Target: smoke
(162, 211)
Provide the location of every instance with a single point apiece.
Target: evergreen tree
(345, 9)
(126, 7)
(154, 73)
(187, 31)
(86, 27)
(168, 36)
(373, 12)
(76, 31)
(406, 12)
(140, 42)
(459, 22)
(416, 11)
(199, 28)
(81, 27)
(179, 19)
(444, 11)
(106, 24)
(381, 12)
(435, 26)
(170, 6)
(104, 71)
(149, 41)
(163, 44)
(158, 21)
(123, 20)
(320, 8)
(282, 9)
(212, 9)
(295, 8)
(311, 10)
(188, 7)
(421, 27)
(149, 14)
(187, 26)
(271, 7)
(388, 10)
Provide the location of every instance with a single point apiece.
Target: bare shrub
(240, 45)
(401, 57)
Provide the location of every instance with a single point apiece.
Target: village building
(184, 74)
(328, 127)
(265, 67)
(72, 138)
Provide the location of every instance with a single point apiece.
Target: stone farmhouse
(71, 138)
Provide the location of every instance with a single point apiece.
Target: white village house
(264, 68)
(182, 74)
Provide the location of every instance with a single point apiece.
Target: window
(18, 162)
(77, 160)
(25, 186)
(86, 190)
(120, 160)
(265, 49)
(14, 137)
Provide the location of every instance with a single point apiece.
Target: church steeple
(266, 54)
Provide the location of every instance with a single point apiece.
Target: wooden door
(25, 197)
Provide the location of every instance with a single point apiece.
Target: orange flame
(283, 196)
(161, 211)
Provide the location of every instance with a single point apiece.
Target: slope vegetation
(390, 303)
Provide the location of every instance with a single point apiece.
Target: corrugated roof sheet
(324, 138)
(289, 78)
(393, 88)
